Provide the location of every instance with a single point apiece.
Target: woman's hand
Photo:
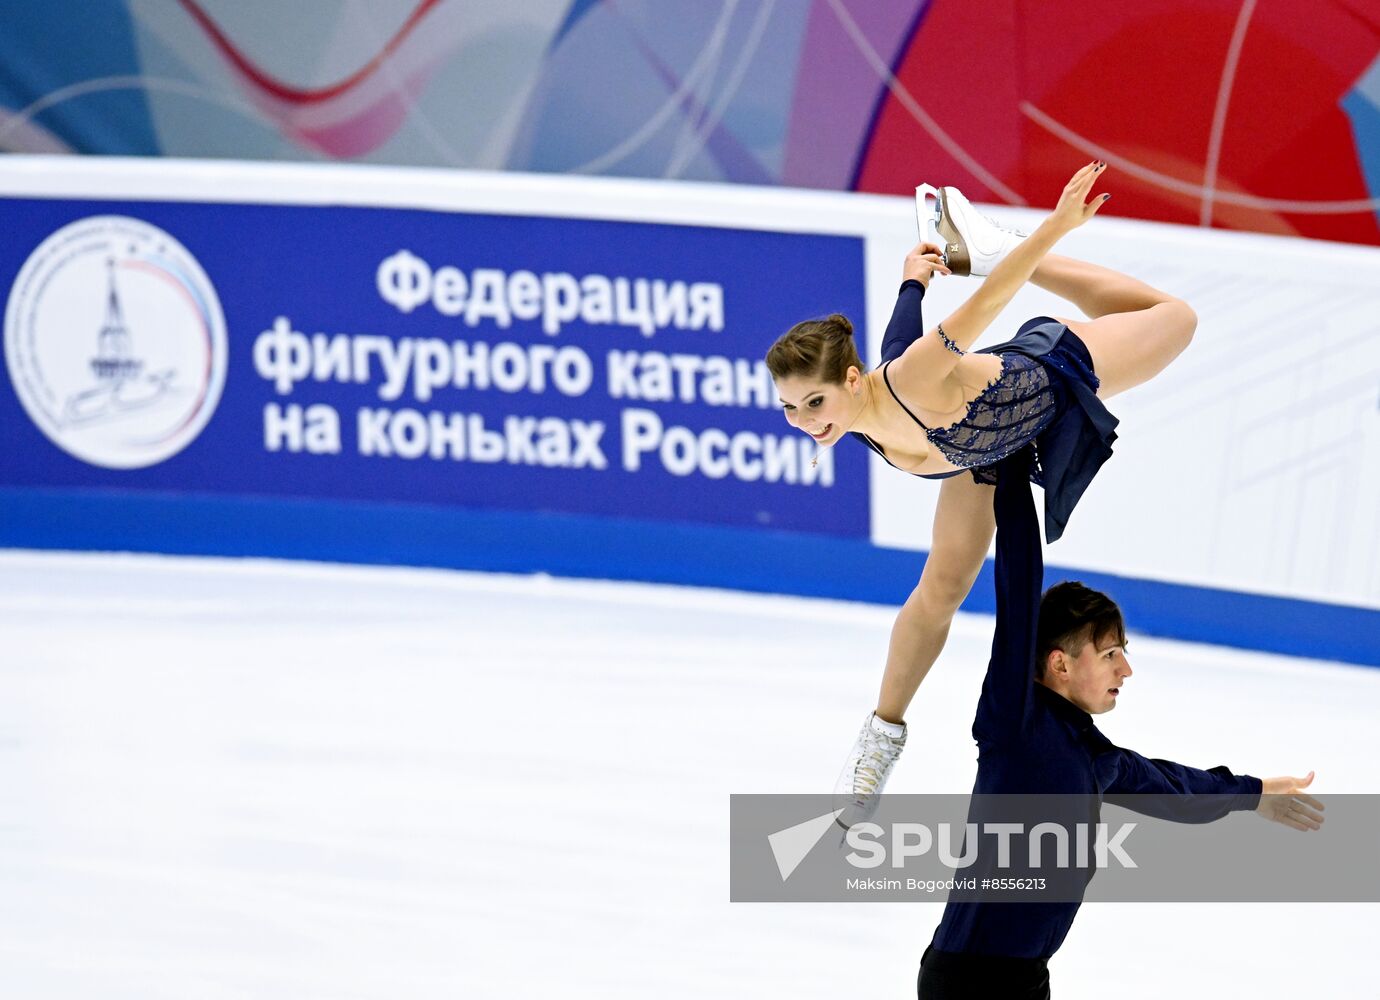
(924, 261)
(1074, 208)
(1283, 800)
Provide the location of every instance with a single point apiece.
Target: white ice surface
(252, 779)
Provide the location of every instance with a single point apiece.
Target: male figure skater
(1055, 664)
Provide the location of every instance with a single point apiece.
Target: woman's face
(821, 409)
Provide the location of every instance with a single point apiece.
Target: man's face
(1091, 680)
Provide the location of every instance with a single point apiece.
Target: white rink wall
(1253, 462)
(1252, 465)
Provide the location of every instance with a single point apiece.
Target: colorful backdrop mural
(1246, 114)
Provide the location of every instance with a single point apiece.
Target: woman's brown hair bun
(817, 348)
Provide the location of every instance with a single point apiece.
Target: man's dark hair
(1071, 615)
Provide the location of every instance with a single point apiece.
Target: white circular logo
(115, 342)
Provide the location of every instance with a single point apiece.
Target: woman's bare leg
(1133, 331)
(963, 528)
(1095, 289)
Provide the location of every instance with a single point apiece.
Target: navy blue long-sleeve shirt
(1033, 741)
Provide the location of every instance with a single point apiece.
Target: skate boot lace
(878, 755)
(1012, 230)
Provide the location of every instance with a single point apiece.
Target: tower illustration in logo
(113, 361)
(140, 299)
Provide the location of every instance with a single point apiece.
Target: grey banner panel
(1050, 848)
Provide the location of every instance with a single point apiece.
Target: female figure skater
(936, 411)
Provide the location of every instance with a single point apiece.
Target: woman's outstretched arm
(929, 359)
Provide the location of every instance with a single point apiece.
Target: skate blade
(927, 213)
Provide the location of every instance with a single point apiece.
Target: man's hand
(1283, 800)
(924, 261)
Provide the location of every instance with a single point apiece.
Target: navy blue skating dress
(1044, 399)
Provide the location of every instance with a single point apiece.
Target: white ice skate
(858, 792)
(973, 243)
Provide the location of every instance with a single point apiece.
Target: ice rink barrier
(551, 374)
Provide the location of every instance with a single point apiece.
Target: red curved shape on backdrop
(303, 95)
(980, 69)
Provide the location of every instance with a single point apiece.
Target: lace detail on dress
(1001, 419)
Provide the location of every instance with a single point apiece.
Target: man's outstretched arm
(1183, 794)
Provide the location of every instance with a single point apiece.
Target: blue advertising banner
(385, 356)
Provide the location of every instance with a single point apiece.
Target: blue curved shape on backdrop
(46, 47)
